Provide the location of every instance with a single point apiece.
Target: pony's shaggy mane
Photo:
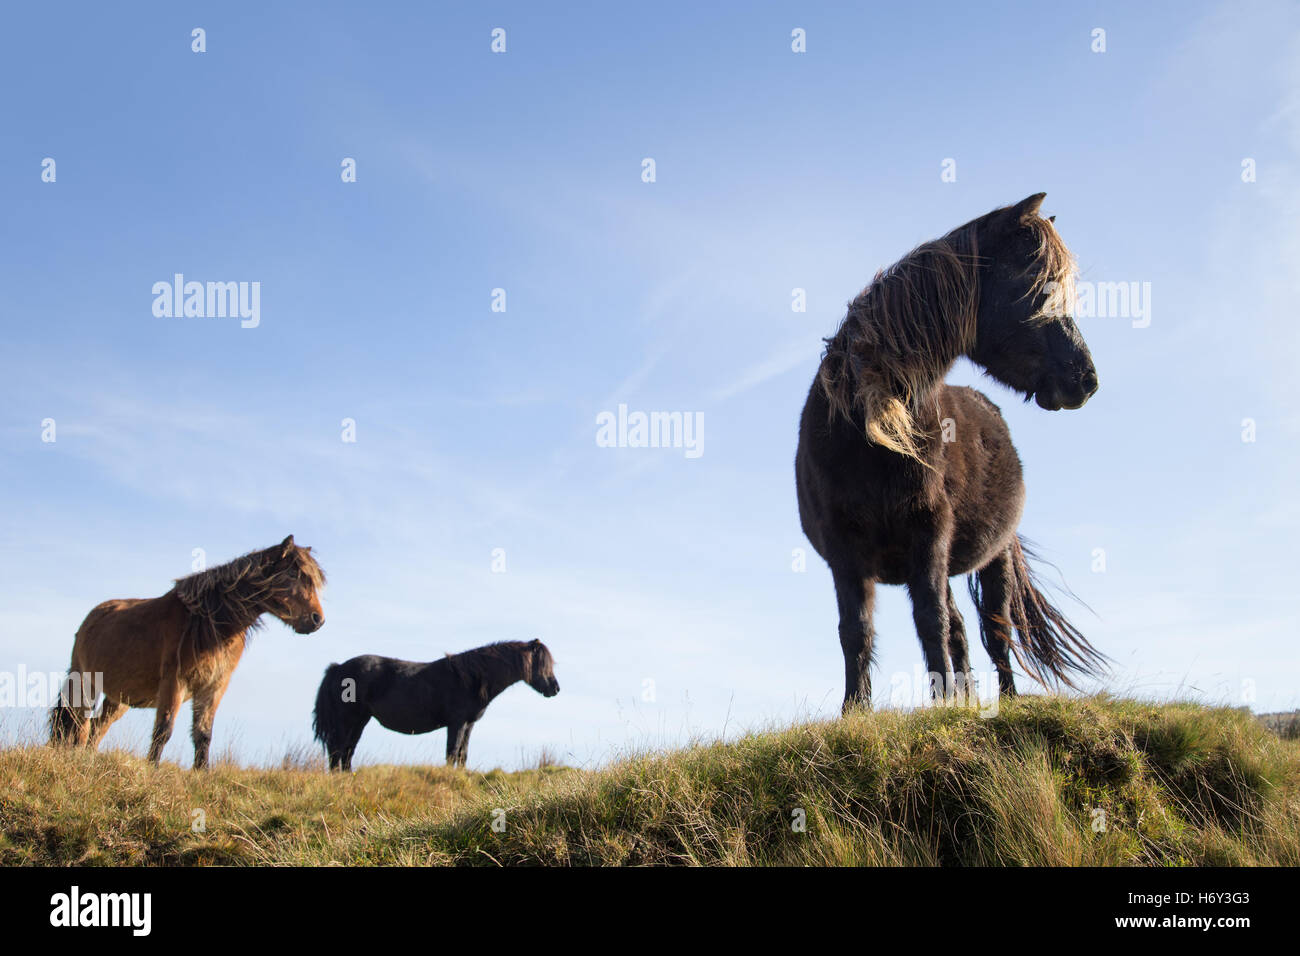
(231, 598)
(478, 665)
(900, 335)
(1055, 269)
(904, 330)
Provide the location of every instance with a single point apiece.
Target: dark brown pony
(160, 652)
(902, 479)
(412, 697)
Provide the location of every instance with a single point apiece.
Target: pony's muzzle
(310, 625)
(1053, 397)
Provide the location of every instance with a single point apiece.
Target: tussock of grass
(1047, 781)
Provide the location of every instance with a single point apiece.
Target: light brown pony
(159, 652)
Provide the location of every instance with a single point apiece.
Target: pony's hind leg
(856, 598)
(993, 598)
(69, 725)
(107, 716)
(346, 745)
(959, 651)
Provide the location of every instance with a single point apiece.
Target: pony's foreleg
(959, 651)
(205, 711)
(462, 754)
(856, 598)
(993, 597)
(457, 738)
(928, 587)
(169, 700)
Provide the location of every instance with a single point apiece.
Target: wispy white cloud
(795, 355)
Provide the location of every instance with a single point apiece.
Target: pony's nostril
(1090, 383)
(317, 620)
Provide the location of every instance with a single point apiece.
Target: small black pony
(415, 698)
(902, 479)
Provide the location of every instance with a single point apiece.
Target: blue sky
(476, 429)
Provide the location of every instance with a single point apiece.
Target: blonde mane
(230, 598)
(903, 332)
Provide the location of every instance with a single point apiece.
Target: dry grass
(73, 807)
(1285, 724)
(1047, 781)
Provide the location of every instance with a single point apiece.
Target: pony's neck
(899, 340)
(518, 670)
(233, 622)
(500, 672)
(242, 620)
(220, 614)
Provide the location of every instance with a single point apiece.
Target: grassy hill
(1046, 781)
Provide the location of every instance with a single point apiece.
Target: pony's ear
(1051, 219)
(286, 547)
(536, 642)
(1028, 207)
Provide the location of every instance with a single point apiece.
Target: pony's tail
(65, 722)
(325, 717)
(1047, 646)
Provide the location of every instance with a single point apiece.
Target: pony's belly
(882, 557)
(405, 722)
(135, 685)
(887, 558)
(982, 534)
(120, 643)
(969, 557)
